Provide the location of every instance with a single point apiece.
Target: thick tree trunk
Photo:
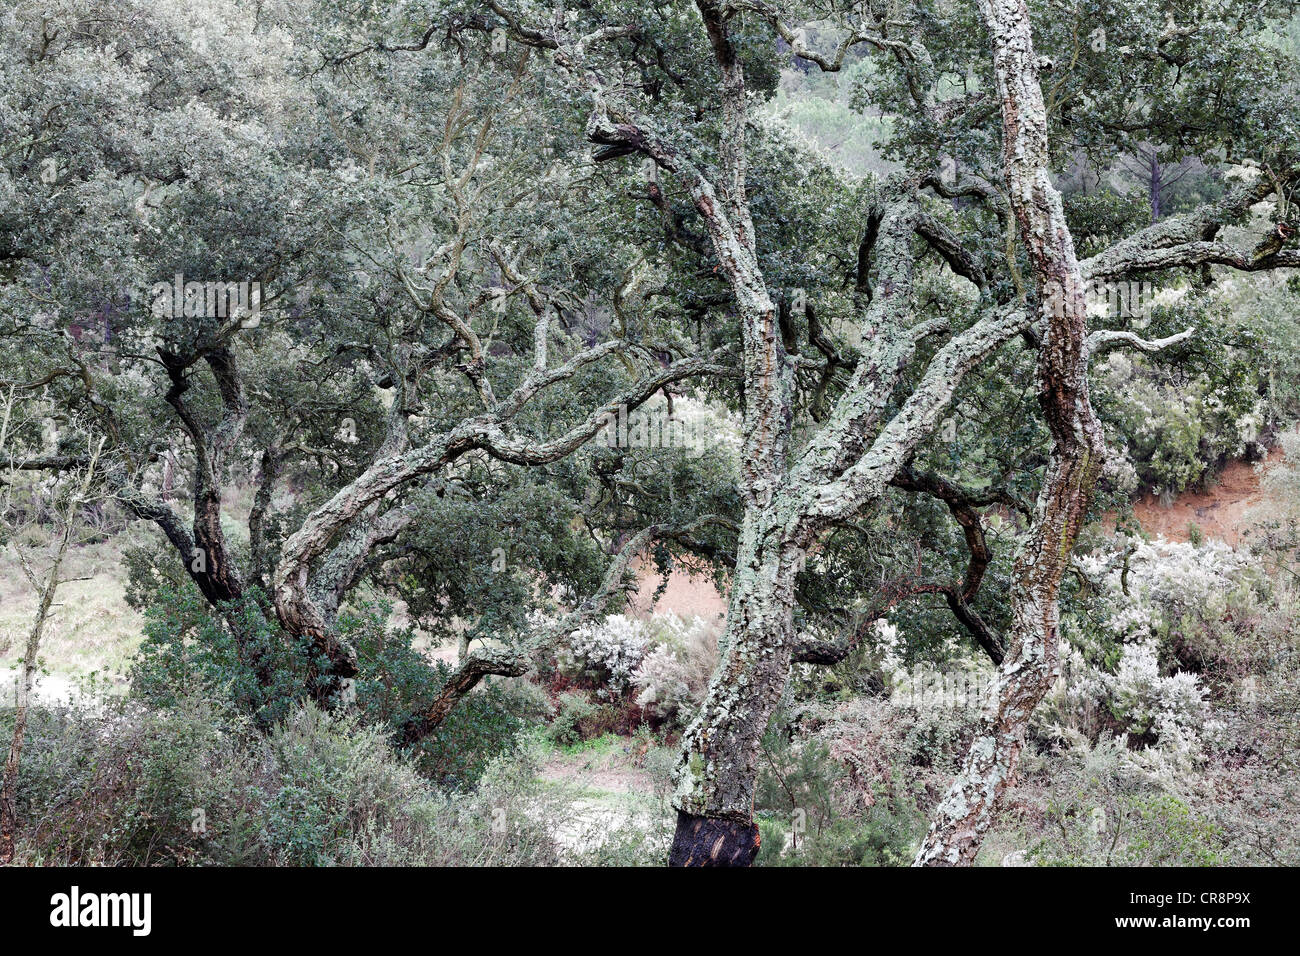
(706, 841)
(837, 474)
(1031, 663)
(209, 561)
(718, 766)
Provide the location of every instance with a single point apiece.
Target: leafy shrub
(1175, 431)
(574, 709)
(882, 836)
(1099, 811)
(673, 677)
(396, 683)
(797, 780)
(238, 656)
(607, 652)
(249, 663)
(665, 659)
(121, 784)
(1171, 626)
(812, 812)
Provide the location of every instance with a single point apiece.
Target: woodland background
(212, 655)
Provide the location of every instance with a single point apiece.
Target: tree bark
(1031, 664)
(706, 841)
(718, 766)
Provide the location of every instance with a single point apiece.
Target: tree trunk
(718, 766)
(703, 841)
(1031, 663)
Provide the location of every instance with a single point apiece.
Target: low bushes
(193, 784)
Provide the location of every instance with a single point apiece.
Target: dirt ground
(611, 771)
(1220, 513)
(687, 595)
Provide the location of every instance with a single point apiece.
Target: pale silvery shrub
(609, 651)
(1171, 711)
(661, 682)
(1165, 580)
(667, 659)
(674, 675)
(1119, 471)
(1148, 700)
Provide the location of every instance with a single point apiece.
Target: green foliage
(576, 709)
(882, 836)
(121, 785)
(250, 664)
(131, 151)
(797, 780)
(240, 657)
(805, 820)
(1097, 219)
(1142, 828)
(1178, 421)
(193, 785)
(395, 683)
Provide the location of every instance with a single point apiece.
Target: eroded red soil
(1219, 512)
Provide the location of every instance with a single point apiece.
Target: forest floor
(608, 765)
(91, 634)
(608, 786)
